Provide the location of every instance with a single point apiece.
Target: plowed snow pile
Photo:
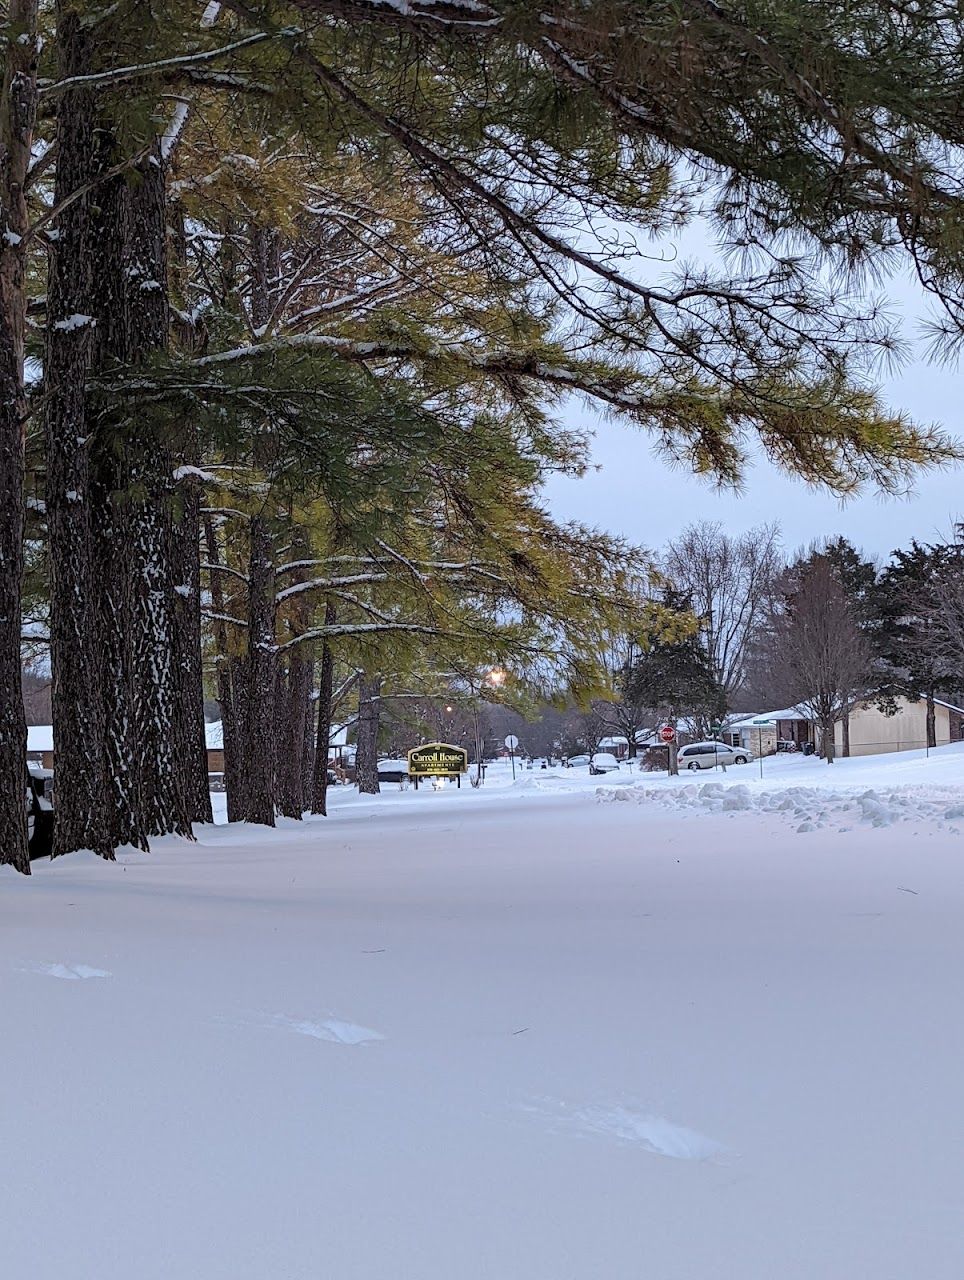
(806, 808)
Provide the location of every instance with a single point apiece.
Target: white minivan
(704, 755)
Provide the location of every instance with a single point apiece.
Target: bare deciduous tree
(815, 650)
(729, 583)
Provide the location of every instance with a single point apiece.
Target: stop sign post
(667, 735)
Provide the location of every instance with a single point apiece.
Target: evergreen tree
(18, 106)
(673, 676)
(909, 605)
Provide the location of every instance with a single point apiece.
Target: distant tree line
(820, 630)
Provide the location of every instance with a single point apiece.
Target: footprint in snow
(653, 1133)
(331, 1029)
(69, 972)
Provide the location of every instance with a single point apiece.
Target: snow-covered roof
(794, 713)
(949, 705)
(750, 722)
(40, 737)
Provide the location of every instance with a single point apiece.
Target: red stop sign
(667, 733)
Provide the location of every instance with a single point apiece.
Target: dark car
(40, 811)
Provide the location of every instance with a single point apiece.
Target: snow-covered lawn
(524, 1033)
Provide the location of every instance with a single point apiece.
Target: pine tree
(17, 120)
(908, 602)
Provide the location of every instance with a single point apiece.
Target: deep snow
(520, 1033)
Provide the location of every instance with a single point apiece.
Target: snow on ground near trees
(520, 1033)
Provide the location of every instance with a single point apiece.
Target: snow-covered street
(514, 1034)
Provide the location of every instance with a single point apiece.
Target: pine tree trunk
(230, 674)
(17, 116)
(80, 814)
(308, 754)
(258, 725)
(319, 790)
(295, 686)
(366, 753)
(291, 762)
(931, 719)
(186, 553)
(190, 673)
(110, 511)
(232, 695)
(163, 767)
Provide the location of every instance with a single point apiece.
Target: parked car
(392, 770)
(40, 810)
(704, 755)
(574, 761)
(603, 762)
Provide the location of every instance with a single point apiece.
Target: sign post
(716, 729)
(512, 742)
(668, 735)
(759, 739)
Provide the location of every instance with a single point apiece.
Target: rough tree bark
(186, 552)
(163, 760)
(259, 711)
(931, 719)
(366, 754)
(297, 695)
(108, 507)
(80, 816)
(294, 685)
(18, 110)
(319, 790)
(190, 674)
(308, 756)
(230, 676)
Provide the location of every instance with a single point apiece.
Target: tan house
(872, 732)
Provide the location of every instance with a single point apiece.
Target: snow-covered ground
(529, 1032)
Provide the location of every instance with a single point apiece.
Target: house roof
(950, 705)
(620, 740)
(749, 722)
(214, 736)
(40, 737)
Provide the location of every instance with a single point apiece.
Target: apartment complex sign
(437, 760)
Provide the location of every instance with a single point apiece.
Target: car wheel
(740, 760)
(694, 764)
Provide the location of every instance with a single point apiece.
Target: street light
(495, 678)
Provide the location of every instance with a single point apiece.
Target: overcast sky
(635, 494)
